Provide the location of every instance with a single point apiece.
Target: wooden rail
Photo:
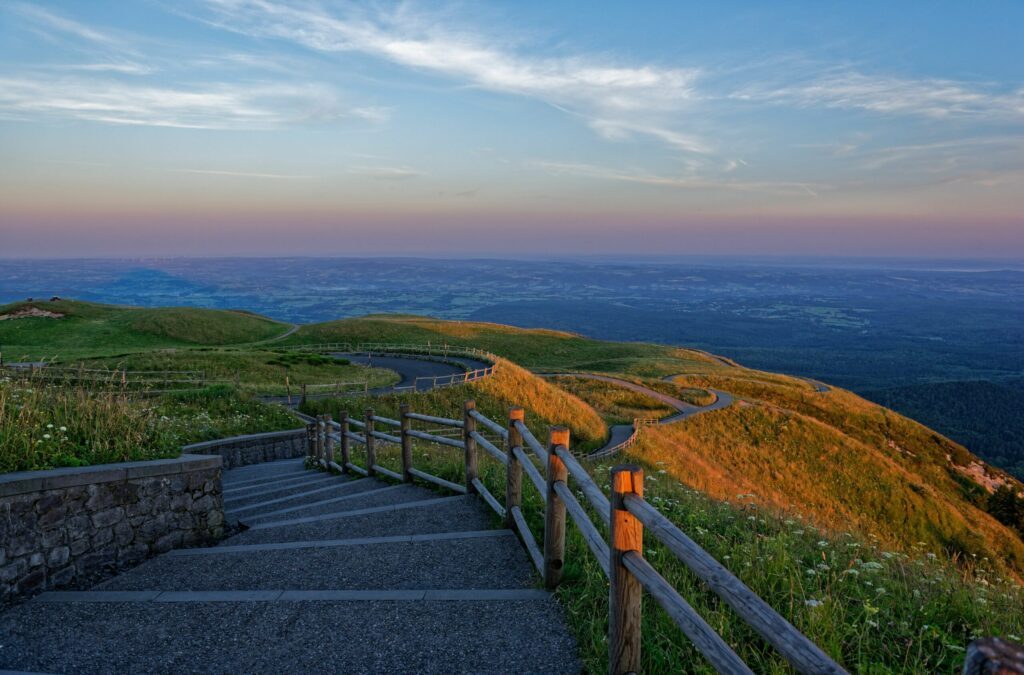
(624, 515)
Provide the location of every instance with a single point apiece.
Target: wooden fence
(638, 424)
(624, 515)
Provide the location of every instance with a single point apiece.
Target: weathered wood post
(371, 453)
(328, 441)
(319, 437)
(625, 596)
(994, 656)
(302, 399)
(311, 439)
(403, 417)
(288, 389)
(554, 512)
(514, 474)
(343, 422)
(468, 427)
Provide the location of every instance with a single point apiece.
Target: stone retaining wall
(254, 448)
(69, 527)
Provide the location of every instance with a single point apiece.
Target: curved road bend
(409, 368)
(621, 432)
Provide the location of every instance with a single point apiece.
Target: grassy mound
(536, 349)
(511, 385)
(83, 328)
(255, 370)
(44, 427)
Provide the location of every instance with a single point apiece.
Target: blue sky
(281, 126)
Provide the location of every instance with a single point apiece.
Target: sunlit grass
(47, 426)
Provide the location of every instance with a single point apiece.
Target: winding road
(414, 370)
(621, 433)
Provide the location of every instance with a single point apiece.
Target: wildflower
(46, 436)
(63, 428)
(813, 603)
(822, 543)
(49, 426)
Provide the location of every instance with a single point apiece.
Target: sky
(293, 127)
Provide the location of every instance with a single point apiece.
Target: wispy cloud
(126, 68)
(241, 174)
(62, 24)
(207, 106)
(934, 98)
(386, 172)
(611, 95)
(682, 182)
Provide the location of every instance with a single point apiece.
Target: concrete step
(497, 636)
(314, 495)
(384, 496)
(265, 483)
(492, 559)
(232, 484)
(264, 470)
(316, 481)
(439, 514)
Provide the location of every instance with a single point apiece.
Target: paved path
(414, 370)
(620, 433)
(333, 574)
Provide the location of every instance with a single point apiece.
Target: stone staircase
(332, 574)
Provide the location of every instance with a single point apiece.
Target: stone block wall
(69, 527)
(254, 448)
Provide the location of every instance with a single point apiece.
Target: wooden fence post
(328, 441)
(554, 512)
(993, 656)
(625, 597)
(514, 474)
(319, 437)
(302, 400)
(371, 453)
(403, 417)
(311, 439)
(468, 427)
(343, 422)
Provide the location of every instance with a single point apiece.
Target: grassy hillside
(255, 370)
(536, 349)
(510, 385)
(981, 415)
(83, 329)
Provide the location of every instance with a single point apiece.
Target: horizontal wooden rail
(598, 546)
(358, 469)
(490, 424)
(387, 472)
(494, 450)
(590, 489)
(423, 436)
(527, 538)
(799, 651)
(532, 441)
(430, 478)
(482, 490)
(436, 420)
(359, 424)
(390, 438)
(531, 470)
(709, 643)
(387, 420)
(336, 467)
(355, 437)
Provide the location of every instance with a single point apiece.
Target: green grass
(89, 329)
(617, 404)
(45, 427)
(260, 371)
(536, 349)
